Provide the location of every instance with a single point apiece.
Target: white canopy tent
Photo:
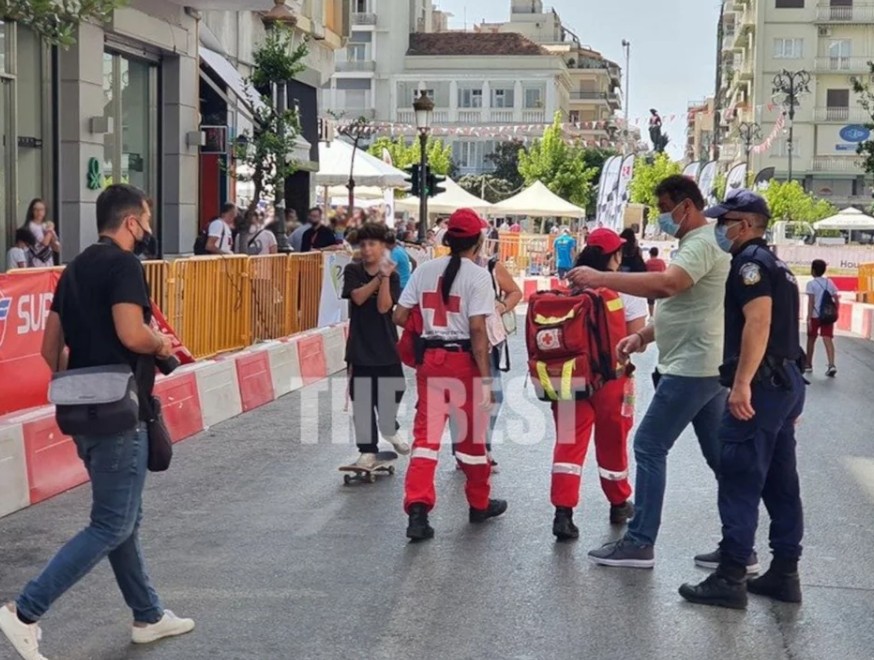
(335, 161)
(539, 201)
(450, 201)
(847, 220)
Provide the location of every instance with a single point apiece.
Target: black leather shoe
(785, 587)
(620, 515)
(563, 526)
(717, 590)
(418, 528)
(495, 509)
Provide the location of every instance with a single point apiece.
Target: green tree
(265, 151)
(866, 100)
(649, 173)
(719, 185)
(57, 21)
(789, 201)
(404, 154)
(559, 166)
(505, 158)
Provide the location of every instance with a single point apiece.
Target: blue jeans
(117, 467)
(678, 401)
(496, 409)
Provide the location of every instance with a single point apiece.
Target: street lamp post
(791, 84)
(355, 131)
(749, 132)
(627, 46)
(424, 108)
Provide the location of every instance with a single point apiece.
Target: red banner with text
(25, 303)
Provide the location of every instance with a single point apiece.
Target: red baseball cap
(464, 223)
(606, 239)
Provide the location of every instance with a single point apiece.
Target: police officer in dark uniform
(761, 366)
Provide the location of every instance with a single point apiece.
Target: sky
(673, 47)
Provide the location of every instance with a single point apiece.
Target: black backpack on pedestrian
(828, 308)
(202, 239)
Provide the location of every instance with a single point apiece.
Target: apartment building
(596, 82)
(518, 73)
(699, 129)
(833, 41)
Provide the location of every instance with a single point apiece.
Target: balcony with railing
(356, 66)
(858, 13)
(841, 115)
(842, 64)
(363, 18)
(837, 165)
(601, 97)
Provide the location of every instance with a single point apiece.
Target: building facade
(514, 74)
(123, 104)
(832, 40)
(699, 129)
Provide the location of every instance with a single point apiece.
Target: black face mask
(141, 244)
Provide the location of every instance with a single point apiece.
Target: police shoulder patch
(751, 273)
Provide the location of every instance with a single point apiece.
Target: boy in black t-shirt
(377, 377)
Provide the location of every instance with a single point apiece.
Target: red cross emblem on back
(433, 300)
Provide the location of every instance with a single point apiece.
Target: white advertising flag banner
(332, 308)
(692, 170)
(706, 182)
(737, 180)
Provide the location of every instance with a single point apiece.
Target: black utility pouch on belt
(772, 371)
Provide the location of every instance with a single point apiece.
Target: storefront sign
(94, 180)
(855, 133)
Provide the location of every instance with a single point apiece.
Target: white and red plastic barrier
(37, 461)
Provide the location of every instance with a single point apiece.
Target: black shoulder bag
(94, 400)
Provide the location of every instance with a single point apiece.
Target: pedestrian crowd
(724, 324)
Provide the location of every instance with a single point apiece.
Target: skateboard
(384, 465)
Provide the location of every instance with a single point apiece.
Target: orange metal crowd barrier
(158, 275)
(210, 304)
(306, 271)
(525, 254)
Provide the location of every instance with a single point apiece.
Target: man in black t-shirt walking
(377, 377)
(100, 317)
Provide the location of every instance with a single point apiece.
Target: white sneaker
(24, 637)
(401, 446)
(366, 461)
(170, 625)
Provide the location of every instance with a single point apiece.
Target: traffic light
(433, 184)
(413, 179)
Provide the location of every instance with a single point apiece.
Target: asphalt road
(253, 534)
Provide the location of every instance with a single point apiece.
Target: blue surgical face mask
(668, 225)
(722, 239)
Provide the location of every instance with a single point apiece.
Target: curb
(37, 461)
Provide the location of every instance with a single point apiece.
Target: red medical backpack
(572, 340)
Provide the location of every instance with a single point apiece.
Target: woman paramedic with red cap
(607, 410)
(453, 374)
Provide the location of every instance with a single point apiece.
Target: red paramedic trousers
(448, 384)
(573, 429)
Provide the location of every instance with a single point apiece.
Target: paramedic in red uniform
(607, 410)
(453, 376)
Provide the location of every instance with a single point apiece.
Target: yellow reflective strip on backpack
(539, 319)
(614, 305)
(545, 382)
(567, 373)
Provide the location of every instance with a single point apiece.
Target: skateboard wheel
(391, 469)
(347, 479)
(371, 478)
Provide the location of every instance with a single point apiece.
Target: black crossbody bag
(94, 400)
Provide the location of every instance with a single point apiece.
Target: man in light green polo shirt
(688, 330)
